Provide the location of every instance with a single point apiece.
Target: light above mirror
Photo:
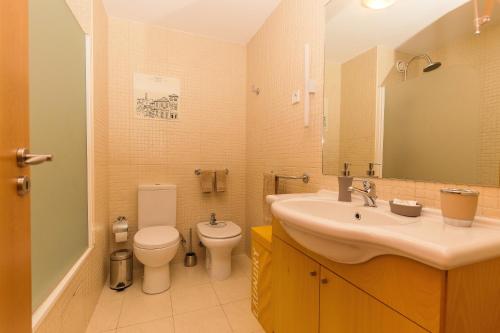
(378, 4)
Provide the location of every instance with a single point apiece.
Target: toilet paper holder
(120, 225)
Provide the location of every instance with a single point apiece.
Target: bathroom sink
(339, 212)
(351, 233)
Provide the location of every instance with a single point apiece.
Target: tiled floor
(194, 304)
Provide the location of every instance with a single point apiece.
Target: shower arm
(420, 56)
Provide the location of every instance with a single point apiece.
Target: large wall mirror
(411, 92)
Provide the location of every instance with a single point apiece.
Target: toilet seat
(151, 238)
(229, 230)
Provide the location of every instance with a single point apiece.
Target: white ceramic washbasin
(351, 233)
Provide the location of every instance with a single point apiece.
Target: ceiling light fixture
(378, 4)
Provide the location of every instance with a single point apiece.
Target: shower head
(402, 66)
(432, 66)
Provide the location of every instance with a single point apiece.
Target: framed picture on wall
(156, 97)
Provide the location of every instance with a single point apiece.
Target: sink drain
(357, 216)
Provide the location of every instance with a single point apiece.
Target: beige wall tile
(209, 134)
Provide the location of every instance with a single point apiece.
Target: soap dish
(408, 211)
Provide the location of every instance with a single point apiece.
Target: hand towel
(220, 180)
(207, 181)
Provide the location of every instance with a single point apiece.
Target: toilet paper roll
(121, 237)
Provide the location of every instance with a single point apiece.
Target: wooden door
(15, 270)
(347, 309)
(295, 290)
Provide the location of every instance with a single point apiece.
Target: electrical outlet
(296, 97)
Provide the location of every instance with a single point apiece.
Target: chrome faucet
(213, 219)
(368, 192)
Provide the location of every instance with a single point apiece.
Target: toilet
(157, 241)
(219, 239)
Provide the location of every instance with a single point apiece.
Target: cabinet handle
(324, 281)
(313, 273)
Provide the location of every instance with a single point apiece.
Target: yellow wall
(73, 309)
(210, 132)
(276, 137)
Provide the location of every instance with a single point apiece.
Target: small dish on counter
(406, 210)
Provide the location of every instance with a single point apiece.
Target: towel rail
(305, 178)
(198, 171)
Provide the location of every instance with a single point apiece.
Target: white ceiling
(352, 29)
(229, 20)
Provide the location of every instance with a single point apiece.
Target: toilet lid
(225, 229)
(156, 237)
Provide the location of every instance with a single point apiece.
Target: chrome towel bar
(198, 171)
(305, 178)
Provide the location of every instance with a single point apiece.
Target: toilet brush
(190, 259)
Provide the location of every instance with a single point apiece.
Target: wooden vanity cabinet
(347, 309)
(388, 294)
(295, 290)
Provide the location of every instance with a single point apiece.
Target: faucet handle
(368, 185)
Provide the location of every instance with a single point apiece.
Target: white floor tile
(211, 320)
(145, 308)
(241, 265)
(105, 316)
(183, 277)
(110, 295)
(135, 290)
(193, 298)
(241, 318)
(233, 289)
(165, 325)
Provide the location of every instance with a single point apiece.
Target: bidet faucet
(368, 192)
(213, 219)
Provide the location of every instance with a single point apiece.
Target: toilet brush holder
(190, 259)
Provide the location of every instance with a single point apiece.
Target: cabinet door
(347, 309)
(295, 290)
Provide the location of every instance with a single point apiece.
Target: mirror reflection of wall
(441, 122)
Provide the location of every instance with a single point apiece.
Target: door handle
(24, 158)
